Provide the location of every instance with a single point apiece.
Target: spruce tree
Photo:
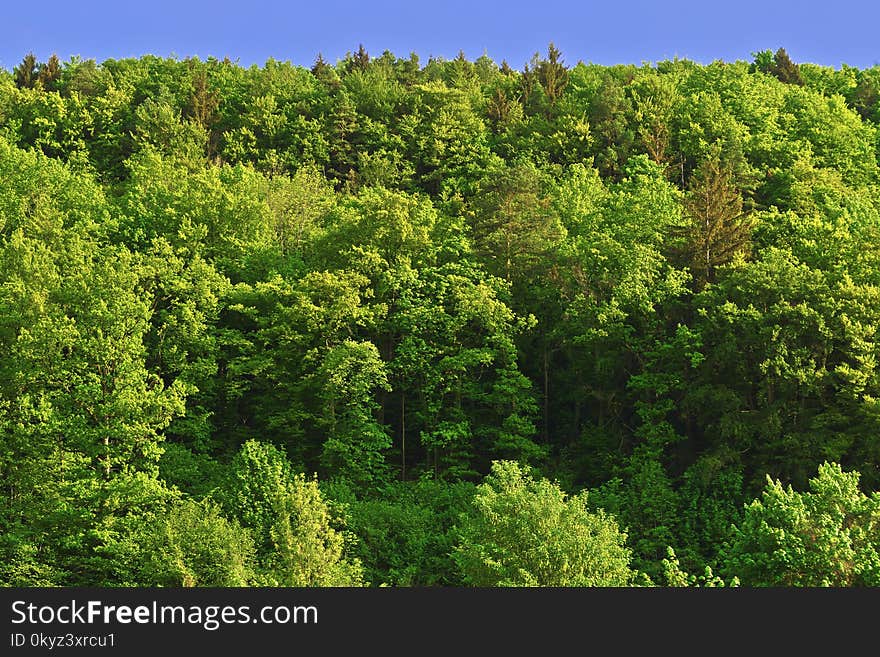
(717, 229)
(50, 73)
(26, 72)
(552, 74)
(361, 59)
(784, 69)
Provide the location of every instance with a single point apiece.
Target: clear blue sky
(606, 32)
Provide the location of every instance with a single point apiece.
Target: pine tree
(26, 72)
(717, 230)
(552, 74)
(326, 73)
(784, 69)
(361, 59)
(50, 73)
(320, 66)
(203, 104)
(343, 125)
(204, 101)
(499, 107)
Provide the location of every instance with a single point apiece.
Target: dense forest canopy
(445, 323)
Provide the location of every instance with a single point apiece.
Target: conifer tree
(361, 59)
(203, 104)
(49, 73)
(552, 74)
(784, 69)
(26, 72)
(717, 230)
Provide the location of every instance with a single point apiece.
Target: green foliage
(407, 533)
(716, 233)
(675, 576)
(828, 536)
(351, 372)
(190, 544)
(658, 283)
(292, 526)
(527, 532)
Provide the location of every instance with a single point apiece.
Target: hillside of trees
(443, 323)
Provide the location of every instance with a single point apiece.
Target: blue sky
(607, 32)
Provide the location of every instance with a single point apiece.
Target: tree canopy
(444, 322)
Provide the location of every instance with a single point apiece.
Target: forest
(391, 322)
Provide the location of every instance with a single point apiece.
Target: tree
(326, 73)
(359, 61)
(406, 531)
(609, 114)
(654, 99)
(675, 576)
(203, 104)
(718, 231)
(354, 448)
(527, 532)
(828, 536)
(50, 73)
(514, 225)
(296, 542)
(779, 65)
(26, 73)
(187, 543)
(552, 74)
(784, 69)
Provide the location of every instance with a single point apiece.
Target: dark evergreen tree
(50, 73)
(717, 231)
(552, 74)
(784, 69)
(27, 72)
(360, 60)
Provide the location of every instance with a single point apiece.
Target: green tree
(293, 527)
(784, 69)
(527, 532)
(351, 373)
(718, 231)
(188, 543)
(514, 226)
(26, 73)
(827, 536)
(552, 74)
(50, 73)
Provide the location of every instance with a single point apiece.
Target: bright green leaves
(219, 213)
(277, 346)
(787, 342)
(446, 139)
(527, 532)
(297, 543)
(658, 283)
(351, 373)
(827, 536)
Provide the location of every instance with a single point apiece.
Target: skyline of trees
(385, 322)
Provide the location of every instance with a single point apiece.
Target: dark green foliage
(784, 69)
(50, 73)
(26, 73)
(717, 233)
(407, 532)
(779, 65)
